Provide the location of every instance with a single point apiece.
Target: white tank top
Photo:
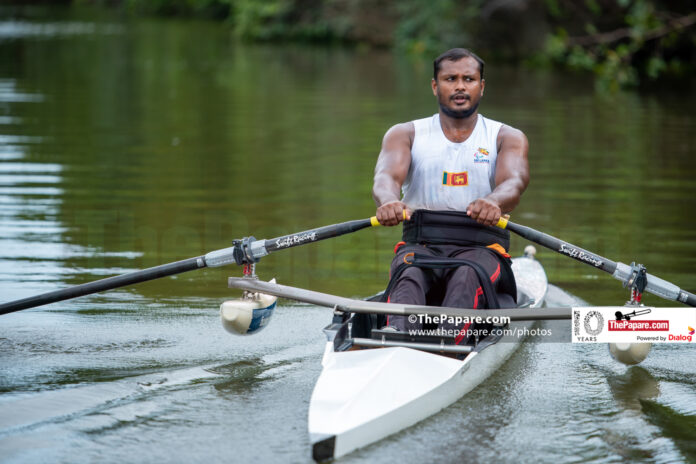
(446, 175)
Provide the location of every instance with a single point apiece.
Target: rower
(458, 172)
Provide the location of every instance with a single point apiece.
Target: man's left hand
(484, 211)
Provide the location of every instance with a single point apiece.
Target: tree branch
(625, 32)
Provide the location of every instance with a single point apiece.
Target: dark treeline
(625, 43)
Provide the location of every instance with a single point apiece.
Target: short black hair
(456, 54)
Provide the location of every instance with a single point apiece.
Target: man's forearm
(385, 190)
(507, 194)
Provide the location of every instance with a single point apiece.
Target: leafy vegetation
(624, 43)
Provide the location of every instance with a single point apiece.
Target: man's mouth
(460, 98)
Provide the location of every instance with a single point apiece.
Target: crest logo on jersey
(481, 156)
(455, 179)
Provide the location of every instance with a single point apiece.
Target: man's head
(456, 54)
(458, 82)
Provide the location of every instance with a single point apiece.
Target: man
(459, 172)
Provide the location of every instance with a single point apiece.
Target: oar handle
(375, 223)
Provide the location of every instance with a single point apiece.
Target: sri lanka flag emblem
(455, 179)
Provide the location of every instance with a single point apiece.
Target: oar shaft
(245, 251)
(250, 250)
(619, 271)
(104, 284)
(689, 298)
(563, 248)
(314, 235)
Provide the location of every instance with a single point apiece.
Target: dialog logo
(682, 338)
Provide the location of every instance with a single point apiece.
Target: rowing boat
(375, 383)
(365, 395)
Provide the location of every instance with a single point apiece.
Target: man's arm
(511, 178)
(390, 173)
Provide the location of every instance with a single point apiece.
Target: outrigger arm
(371, 307)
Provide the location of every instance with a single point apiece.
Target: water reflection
(681, 428)
(634, 385)
(160, 140)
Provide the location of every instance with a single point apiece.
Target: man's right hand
(392, 213)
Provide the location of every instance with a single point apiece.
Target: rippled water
(129, 143)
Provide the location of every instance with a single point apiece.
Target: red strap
(398, 245)
(496, 274)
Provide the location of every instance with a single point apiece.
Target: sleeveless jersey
(446, 175)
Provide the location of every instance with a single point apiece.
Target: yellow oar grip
(502, 222)
(375, 222)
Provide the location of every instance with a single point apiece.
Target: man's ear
(433, 84)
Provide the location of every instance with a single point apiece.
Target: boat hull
(363, 396)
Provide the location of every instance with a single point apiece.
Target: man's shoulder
(503, 130)
(491, 123)
(509, 131)
(403, 130)
(403, 126)
(511, 136)
(416, 125)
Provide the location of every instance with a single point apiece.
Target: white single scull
(365, 394)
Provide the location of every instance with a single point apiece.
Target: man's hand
(484, 211)
(392, 213)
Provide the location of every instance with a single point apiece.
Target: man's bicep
(395, 157)
(512, 156)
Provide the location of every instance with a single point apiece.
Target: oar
(245, 251)
(620, 271)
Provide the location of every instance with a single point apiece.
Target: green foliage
(623, 43)
(205, 8)
(431, 26)
(261, 20)
(594, 7)
(290, 19)
(631, 49)
(655, 66)
(553, 8)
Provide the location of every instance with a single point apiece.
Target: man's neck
(456, 129)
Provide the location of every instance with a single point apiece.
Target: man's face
(459, 87)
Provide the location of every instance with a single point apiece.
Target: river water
(129, 143)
